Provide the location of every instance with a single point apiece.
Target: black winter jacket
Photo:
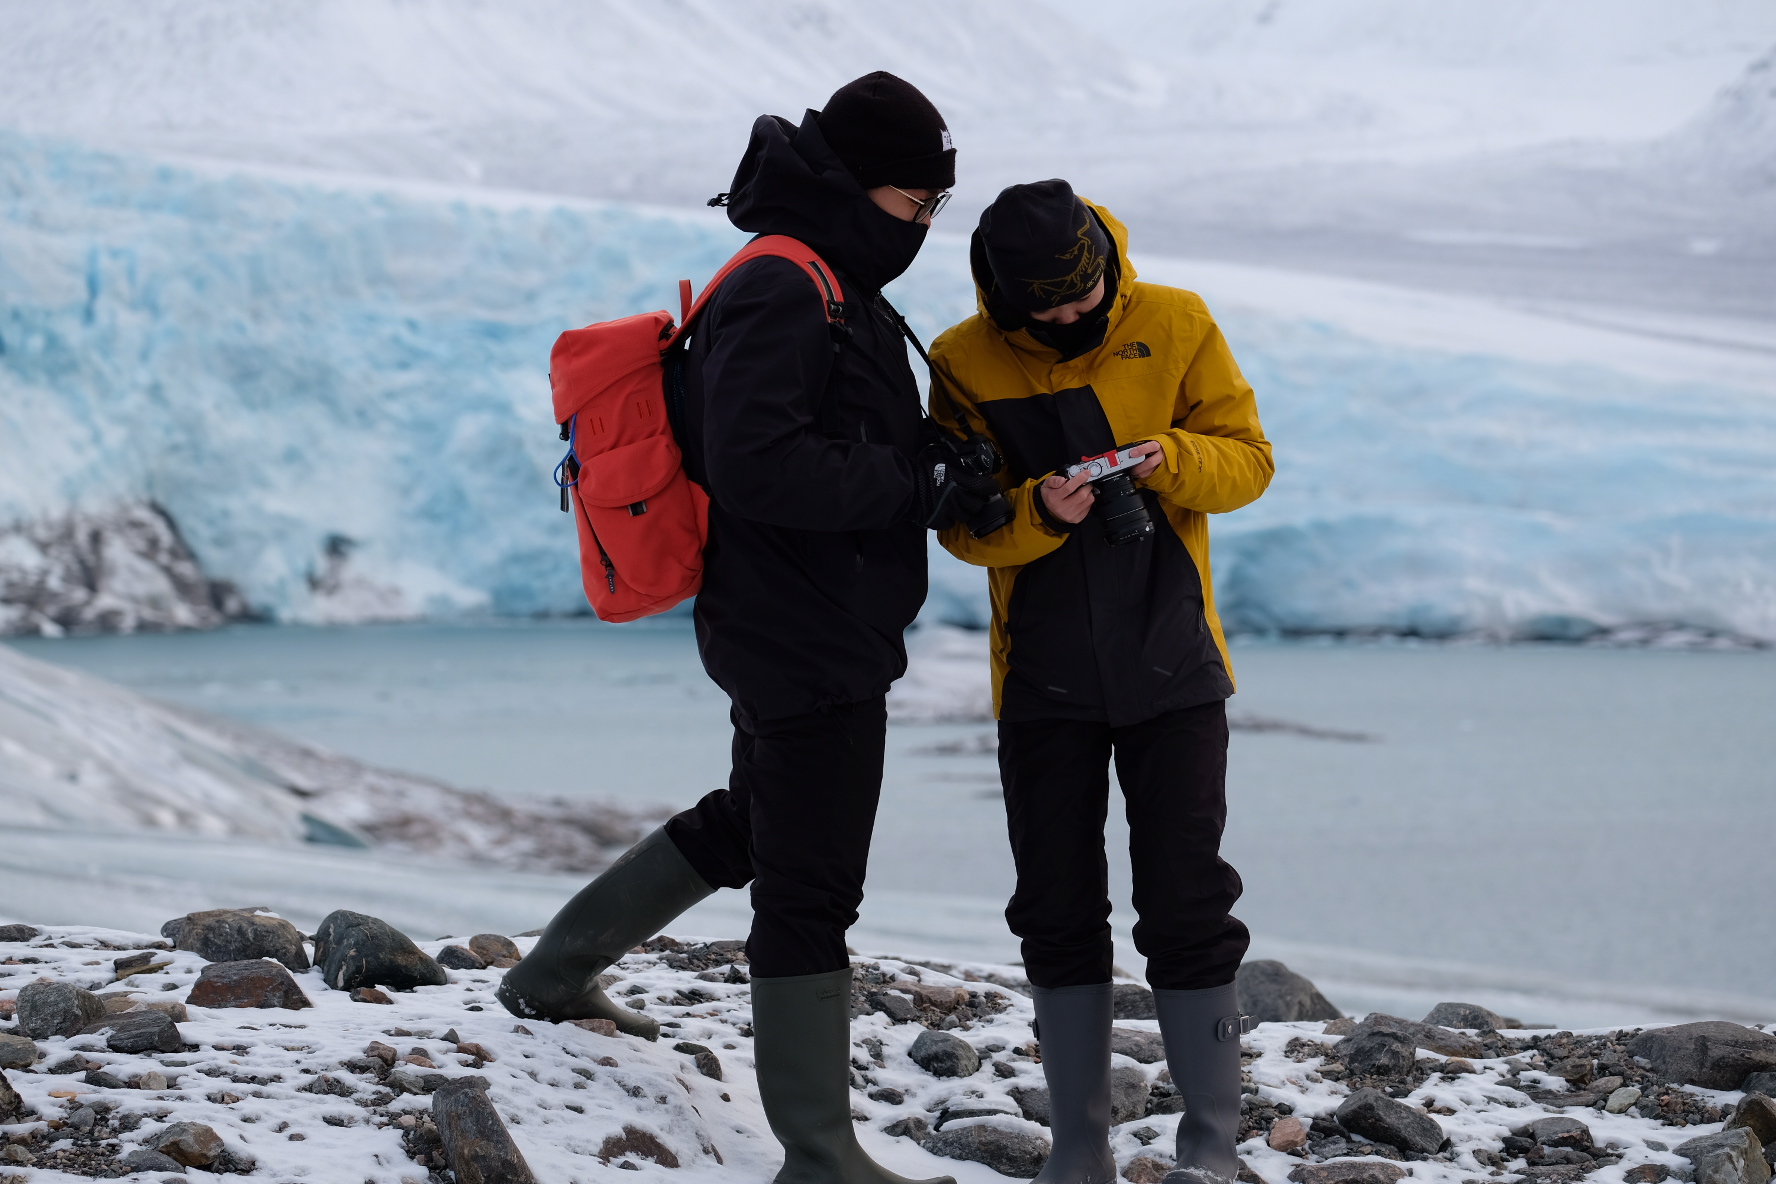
(814, 566)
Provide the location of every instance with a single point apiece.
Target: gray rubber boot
(1202, 1041)
(802, 1047)
(1075, 1045)
(649, 885)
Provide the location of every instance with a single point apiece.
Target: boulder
(477, 1145)
(235, 935)
(1132, 1001)
(56, 1009)
(131, 965)
(256, 982)
(1144, 1169)
(1760, 1083)
(943, 1055)
(1348, 1171)
(1467, 1015)
(1621, 1100)
(12, 1107)
(403, 1081)
(913, 1127)
(1010, 1153)
(144, 1160)
(1755, 1112)
(1439, 1040)
(459, 958)
(492, 947)
(1557, 1131)
(897, 1007)
(139, 1031)
(1374, 1115)
(1128, 1094)
(19, 933)
(1714, 1054)
(1146, 1047)
(1270, 992)
(706, 1061)
(1032, 1101)
(355, 950)
(192, 1144)
(1376, 1053)
(1730, 1157)
(16, 1052)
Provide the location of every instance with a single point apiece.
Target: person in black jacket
(810, 444)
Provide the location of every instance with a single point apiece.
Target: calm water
(1587, 831)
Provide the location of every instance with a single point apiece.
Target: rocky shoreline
(232, 1043)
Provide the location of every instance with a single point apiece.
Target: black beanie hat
(887, 133)
(1044, 246)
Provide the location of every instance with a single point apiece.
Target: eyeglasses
(929, 208)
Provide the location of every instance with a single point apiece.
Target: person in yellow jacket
(1106, 645)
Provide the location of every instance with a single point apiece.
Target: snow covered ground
(291, 1092)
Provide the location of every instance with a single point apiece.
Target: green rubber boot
(630, 902)
(802, 1045)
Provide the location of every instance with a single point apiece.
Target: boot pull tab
(1232, 1027)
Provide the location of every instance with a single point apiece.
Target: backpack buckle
(837, 310)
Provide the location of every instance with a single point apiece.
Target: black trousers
(795, 822)
(1173, 770)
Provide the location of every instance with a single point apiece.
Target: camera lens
(1125, 514)
(997, 512)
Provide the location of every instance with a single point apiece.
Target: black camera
(1118, 503)
(978, 457)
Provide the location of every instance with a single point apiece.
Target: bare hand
(1153, 452)
(1068, 498)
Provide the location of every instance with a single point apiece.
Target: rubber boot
(802, 1048)
(1075, 1044)
(630, 902)
(1202, 1041)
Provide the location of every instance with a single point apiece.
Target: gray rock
(707, 1062)
(404, 1082)
(139, 1031)
(897, 1007)
(56, 1009)
(459, 958)
(16, 1052)
(103, 1080)
(235, 935)
(19, 933)
(1730, 1157)
(1128, 1094)
(1440, 1040)
(1349, 1171)
(1132, 1001)
(1032, 1101)
(943, 1055)
(12, 1107)
(912, 1127)
(355, 950)
(1621, 1100)
(1467, 1015)
(1375, 1053)
(1010, 1153)
(1270, 992)
(144, 1160)
(1146, 1047)
(1757, 1113)
(256, 982)
(1557, 1131)
(1374, 1115)
(192, 1144)
(1760, 1083)
(958, 1113)
(477, 1145)
(1714, 1054)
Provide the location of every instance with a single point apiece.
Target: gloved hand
(947, 494)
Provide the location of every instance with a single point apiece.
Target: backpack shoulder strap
(778, 246)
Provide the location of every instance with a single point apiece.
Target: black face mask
(1084, 334)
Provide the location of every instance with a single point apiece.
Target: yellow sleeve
(1026, 538)
(1216, 456)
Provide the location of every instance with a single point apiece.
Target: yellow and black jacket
(1081, 629)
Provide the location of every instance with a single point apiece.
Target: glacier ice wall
(338, 391)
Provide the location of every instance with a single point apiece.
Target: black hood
(790, 182)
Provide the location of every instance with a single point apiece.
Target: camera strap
(941, 379)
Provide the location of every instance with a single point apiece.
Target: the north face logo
(1134, 349)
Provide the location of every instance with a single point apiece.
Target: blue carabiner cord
(573, 427)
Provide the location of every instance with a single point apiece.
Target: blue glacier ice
(337, 388)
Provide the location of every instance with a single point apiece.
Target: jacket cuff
(1049, 520)
(1169, 476)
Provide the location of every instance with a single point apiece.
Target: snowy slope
(338, 392)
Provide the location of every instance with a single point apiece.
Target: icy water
(1571, 835)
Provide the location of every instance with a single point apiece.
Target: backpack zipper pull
(610, 570)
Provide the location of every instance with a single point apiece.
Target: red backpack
(619, 392)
